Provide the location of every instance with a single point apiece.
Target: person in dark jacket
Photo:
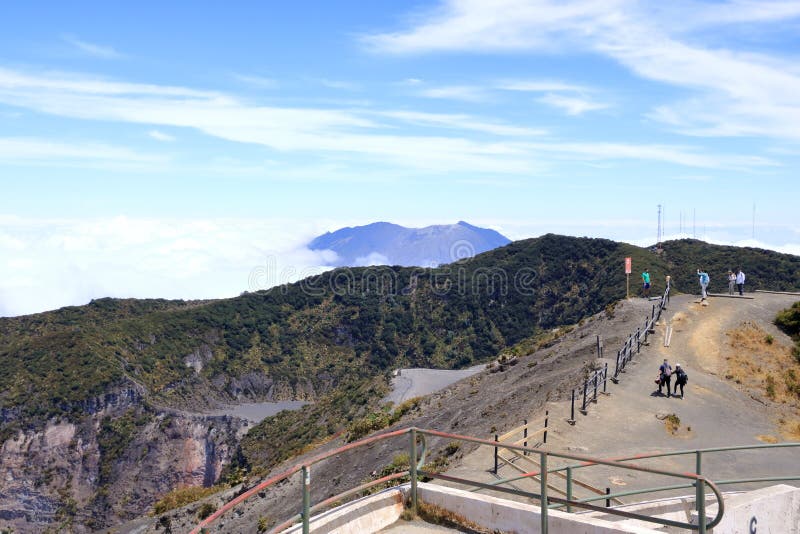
(665, 375)
(681, 378)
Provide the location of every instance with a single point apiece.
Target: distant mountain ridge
(384, 243)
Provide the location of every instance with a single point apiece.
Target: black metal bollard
(525, 436)
(546, 416)
(495, 454)
(572, 409)
(585, 387)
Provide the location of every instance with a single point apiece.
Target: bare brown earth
(716, 411)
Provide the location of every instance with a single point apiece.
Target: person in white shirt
(740, 281)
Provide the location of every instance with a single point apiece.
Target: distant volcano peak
(384, 243)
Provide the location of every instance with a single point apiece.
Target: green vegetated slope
(332, 337)
(788, 320)
(764, 269)
(344, 323)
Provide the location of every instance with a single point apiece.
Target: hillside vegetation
(303, 340)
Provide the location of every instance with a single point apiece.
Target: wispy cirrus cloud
(461, 122)
(160, 136)
(261, 82)
(540, 86)
(738, 92)
(467, 93)
(92, 49)
(361, 134)
(27, 151)
(572, 105)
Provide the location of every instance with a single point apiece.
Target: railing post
(616, 366)
(546, 416)
(306, 497)
(543, 490)
(608, 501)
(412, 445)
(569, 489)
(495, 454)
(700, 497)
(638, 340)
(605, 377)
(525, 435)
(701, 506)
(595, 379)
(572, 409)
(585, 387)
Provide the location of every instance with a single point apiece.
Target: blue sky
(174, 149)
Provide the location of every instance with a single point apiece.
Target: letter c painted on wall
(753, 523)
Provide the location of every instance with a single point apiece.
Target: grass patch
(182, 496)
(441, 516)
(673, 423)
(763, 365)
(380, 420)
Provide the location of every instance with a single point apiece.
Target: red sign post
(628, 271)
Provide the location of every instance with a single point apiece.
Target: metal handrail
(417, 459)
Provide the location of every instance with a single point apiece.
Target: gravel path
(714, 413)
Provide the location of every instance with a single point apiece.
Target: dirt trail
(715, 412)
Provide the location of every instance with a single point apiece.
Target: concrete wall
(773, 510)
(363, 516)
(510, 516)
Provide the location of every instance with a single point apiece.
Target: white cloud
(572, 105)
(257, 81)
(738, 93)
(160, 136)
(461, 122)
(46, 264)
(340, 84)
(675, 154)
(14, 150)
(91, 49)
(362, 133)
(455, 92)
(373, 258)
(539, 86)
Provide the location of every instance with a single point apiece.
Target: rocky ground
(725, 403)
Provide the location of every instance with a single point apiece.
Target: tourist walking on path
(664, 376)
(740, 281)
(704, 280)
(681, 378)
(731, 282)
(646, 284)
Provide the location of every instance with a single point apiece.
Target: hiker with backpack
(681, 379)
(664, 376)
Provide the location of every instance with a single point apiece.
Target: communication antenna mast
(658, 240)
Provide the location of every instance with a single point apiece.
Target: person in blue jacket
(704, 280)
